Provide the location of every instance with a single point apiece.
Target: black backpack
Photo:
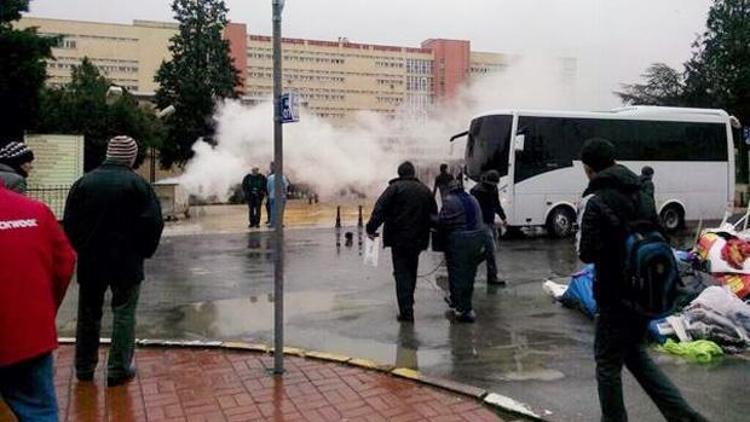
(651, 276)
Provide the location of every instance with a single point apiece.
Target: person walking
(489, 201)
(15, 165)
(36, 265)
(441, 181)
(647, 184)
(254, 186)
(406, 208)
(273, 202)
(614, 197)
(114, 221)
(460, 219)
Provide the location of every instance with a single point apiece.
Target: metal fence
(53, 196)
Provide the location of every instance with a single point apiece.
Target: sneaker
(115, 381)
(468, 316)
(494, 281)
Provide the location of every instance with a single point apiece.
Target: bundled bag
(372, 251)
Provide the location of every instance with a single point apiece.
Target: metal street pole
(279, 196)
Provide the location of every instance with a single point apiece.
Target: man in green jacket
(113, 219)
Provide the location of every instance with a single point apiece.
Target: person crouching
(460, 219)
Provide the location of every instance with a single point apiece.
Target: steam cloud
(365, 152)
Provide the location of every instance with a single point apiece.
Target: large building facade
(333, 78)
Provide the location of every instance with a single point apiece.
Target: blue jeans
(272, 207)
(29, 389)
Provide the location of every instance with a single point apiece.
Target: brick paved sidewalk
(186, 384)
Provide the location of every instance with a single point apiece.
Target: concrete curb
(493, 400)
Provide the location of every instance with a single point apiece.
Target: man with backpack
(612, 206)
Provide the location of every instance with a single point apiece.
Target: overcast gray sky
(613, 39)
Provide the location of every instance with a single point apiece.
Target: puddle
(246, 316)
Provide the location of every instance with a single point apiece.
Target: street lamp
(278, 210)
(161, 115)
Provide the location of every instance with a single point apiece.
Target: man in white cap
(114, 221)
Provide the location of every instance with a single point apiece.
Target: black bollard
(338, 217)
(359, 220)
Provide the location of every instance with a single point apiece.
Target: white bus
(537, 155)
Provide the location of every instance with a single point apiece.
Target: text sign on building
(58, 163)
(289, 108)
(58, 159)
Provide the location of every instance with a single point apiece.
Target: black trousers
(254, 203)
(620, 340)
(89, 324)
(405, 265)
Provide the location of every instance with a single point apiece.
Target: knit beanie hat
(14, 154)
(598, 153)
(122, 150)
(406, 169)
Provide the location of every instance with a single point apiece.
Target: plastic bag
(372, 251)
(580, 292)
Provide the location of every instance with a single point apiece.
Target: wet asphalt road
(523, 345)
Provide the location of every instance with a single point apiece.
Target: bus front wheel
(672, 217)
(561, 222)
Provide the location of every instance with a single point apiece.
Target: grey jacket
(12, 180)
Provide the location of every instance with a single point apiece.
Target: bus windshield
(488, 145)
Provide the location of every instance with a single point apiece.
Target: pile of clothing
(712, 317)
(724, 254)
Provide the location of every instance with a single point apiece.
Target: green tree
(200, 73)
(717, 75)
(663, 86)
(22, 70)
(82, 107)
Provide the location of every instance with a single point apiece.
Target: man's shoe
(449, 302)
(405, 317)
(115, 381)
(468, 316)
(85, 377)
(494, 281)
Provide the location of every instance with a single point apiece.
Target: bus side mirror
(519, 142)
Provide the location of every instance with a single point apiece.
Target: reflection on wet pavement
(523, 345)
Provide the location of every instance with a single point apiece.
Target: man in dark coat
(406, 207)
(114, 222)
(489, 201)
(613, 198)
(441, 181)
(254, 188)
(460, 220)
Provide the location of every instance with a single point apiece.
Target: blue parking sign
(289, 108)
(746, 134)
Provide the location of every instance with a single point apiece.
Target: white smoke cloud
(366, 151)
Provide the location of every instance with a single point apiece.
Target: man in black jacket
(489, 201)
(442, 181)
(406, 207)
(613, 198)
(254, 188)
(114, 221)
